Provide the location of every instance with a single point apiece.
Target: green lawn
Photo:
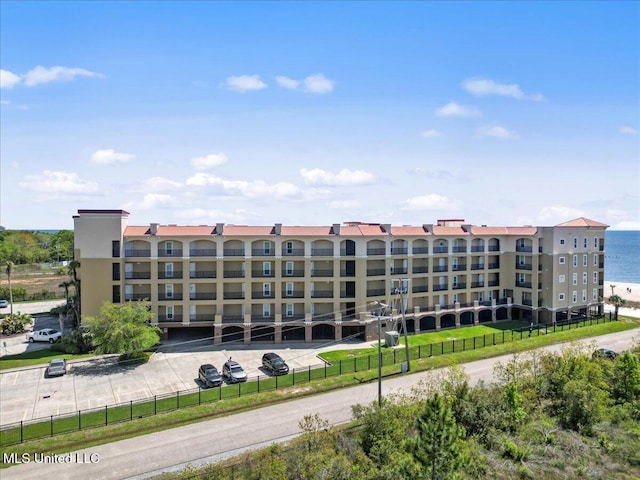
(37, 357)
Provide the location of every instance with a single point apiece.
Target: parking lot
(27, 394)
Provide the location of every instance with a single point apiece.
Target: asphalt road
(212, 440)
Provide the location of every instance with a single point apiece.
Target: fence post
(155, 404)
(21, 431)
(276, 382)
(199, 395)
(294, 374)
(340, 370)
(178, 400)
(442, 348)
(494, 337)
(79, 421)
(239, 392)
(106, 415)
(259, 383)
(431, 349)
(130, 410)
(368, 364)
(453, 346)
(355, 365)
(309, 370)
(220, 392)
(464, 344)
(51, 425)
(325, 371)
(474, 343)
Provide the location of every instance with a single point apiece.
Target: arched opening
(448, 320)
(466, 318)
(355, 332)
(427, 323)
(262, 333)
(292, 333)
(484, 316)
(323, 331)
(502, 314)
(232, 334)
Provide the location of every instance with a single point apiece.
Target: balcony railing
(163, 275)
(459, 249)
(172, 318)
(260, 317)
(477, 284)
(322, 273)
(375, 272)
(263, 274)
(233, 295)
(459, 286)
(202, 296)
(133, 297)
(420, 250)
(293, 318)
(261, 252)
(322, 252)
(494, 265)
(202, 252)
(440, 268)
(259, 295)
(203, 274)
(293, 294)
(293, 252)
(477, 248)
(166, 297)
(232, 318)
(420, 288)
(459, 267)
(421, 269)
(399, 271)
(524, 266)
(170, 253)
(523, 284)
(440, 249)
(293, 273)
(494, 248)
(233, 274)
(137, 275)
(524, 248)
(527, 302)
(399, 251)
(345, 294)
(376, 292)
(204, 317)
(233, 252)
(376, 251)
(477, 266)
(322, 294)
(347, 273)
(347, 253)
(494, 283)
(137, 253)
(324, 317)
(440, 288)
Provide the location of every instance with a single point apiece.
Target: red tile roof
(582, 222)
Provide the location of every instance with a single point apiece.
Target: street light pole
(379, 364)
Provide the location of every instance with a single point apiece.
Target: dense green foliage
(122, 328)
(25, 247)
(15, 324)
(565, 415)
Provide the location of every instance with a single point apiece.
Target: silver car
(57, 366)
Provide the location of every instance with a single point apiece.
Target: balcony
(170, 318)
(293, 252)
(232, 318)
(422, 269)
(293, 294)
(135, 297)
(399, 251)
(477, 248)
(233, 274)
(524, 266)
(322, 252)
(293, 273)
(376, 251)
(137, 253)
(527, 302)
(261, 252)
(375, 272)
(440, 287)
(419, 288)
(461, 267)
(203, 274)
(345, 294)
(399, 271)
(202, 296)
(344, 252)
(322, 273)
(262, 318)
(477, 266)
(494, 265)
(203, 252)
(261, 295)
(601, 248)
(263, 273)
(177, 274)
(322, 294)
(440, 268)
(233, 252)
(459, 249)
(376, 292)
(233, 295)
(202, 317)
(477, 284)
(523, 284)
(293, 318)
(524, 248)
(420, 250)
(494, 248)
(324, 317)
(169, 297)
(459, 286)
(494, 283)
(440, 249)
(137, 275)
(170, 252)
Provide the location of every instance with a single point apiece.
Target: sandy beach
(627, 291)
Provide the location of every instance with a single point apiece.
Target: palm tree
(617, 301)
(9, 271)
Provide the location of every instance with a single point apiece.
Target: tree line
(22, 247)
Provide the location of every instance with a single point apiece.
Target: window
(168, 290)
(481, 296)
(574, 297)
(575, 260)
(562, 242)
(455, 298)
(595, 260)
(168, 248)
(490, 295)
(585, 280)
(521, 260)
(595, 277)
(266, 289)
(455, 281)
(266, 310)
(289, 248)
(170, 312)
(561, 297)
(289, 310)
(561, 279)
(586, 242)
(575, 242)
(454, 263)
(267, 248)
(595, 295)
(266, 269)
(288, 271)
(584, 260)
(575, 278)
(595, 242)
(584, 295)
(115, 273)
(521, 278)
(561, 260)
(115, 248)
(289, 289)
(168, 270)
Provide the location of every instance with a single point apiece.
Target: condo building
(281, 283)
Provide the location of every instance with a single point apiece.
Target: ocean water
(622, 256)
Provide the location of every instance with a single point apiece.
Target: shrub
(514, 452)
(17, 324)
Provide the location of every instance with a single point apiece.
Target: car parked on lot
(233, 372)
(4, 304)
(57, 366)
(45, 335)
(209, 375)
(274, 364)
(605, 353)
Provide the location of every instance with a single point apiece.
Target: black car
(605, 353)
(233, 372)
(209, 375)
(275, 364)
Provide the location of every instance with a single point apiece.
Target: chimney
(336, 229)
(219, 228)
(278, 228)
(153, 228)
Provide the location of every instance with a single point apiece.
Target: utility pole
(381, 307)
(400, 289)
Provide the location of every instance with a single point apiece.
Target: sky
(315, 113)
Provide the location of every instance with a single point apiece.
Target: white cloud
(481, 87)
(431, 133)
(245, 83)
(318, 83)
(41, 74)
(555, 214)
(497, 132)
(208, 161)
(150, 200)
(286, 82)
(158, 184)
(628, 130)
(248, 189)
(431, 201)
(318, 176)
(59, 183)
(346, 204)
(4, 102)
(204, 216)
(452, 109)
(110, 156)
(8, 79)
(627, 225)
